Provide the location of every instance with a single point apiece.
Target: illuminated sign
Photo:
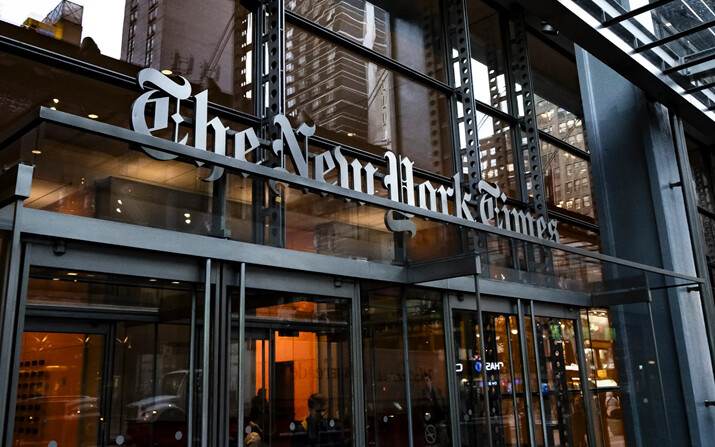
(398, 180)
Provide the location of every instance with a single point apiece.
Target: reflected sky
(102, 19)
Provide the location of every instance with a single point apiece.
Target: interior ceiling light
(36, 151)
(167, 72)
(94, 116)
(55, 100)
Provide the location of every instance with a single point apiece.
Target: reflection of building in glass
(346, 95)
(63, 23)
(337, 89)
(567, 176)
(209, 44)
(495, 155)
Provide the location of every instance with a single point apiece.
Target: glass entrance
(296, 371)
(59, 389)
(550, 379)
(105, 360)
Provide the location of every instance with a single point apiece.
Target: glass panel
(408, 31)
(296, 380)
(255, 373)
(311, 404)
(600, 349)
(557, 93)
(561, 384)
(428, 375)
(77, 288)
(361, 104)
(434, 240)
(569, 188)
(150, 382)
(501, 388)
(700, 163)
(332, 226)
(208, 46)
(472, 412)
(58, 391)
(487, 56)
(150, 394)
(496, 153)
(560, 123)
(384, 369)
(91, 176)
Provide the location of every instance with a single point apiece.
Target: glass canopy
(674, 39)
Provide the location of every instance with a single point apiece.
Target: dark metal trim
(521, 322)
(300, 182)
(696, 233)
(241, 342)
(14, 369)
(512, 377)
(452, 384)
(558, 215)
(690, 63)
(483, 355)
(192, 373)
(357, 365)
(561, 144)
(634, 12)
(333, 37)
(205, 370)
(676, 36)
(406, 353)
(697, 88)
(13, 299)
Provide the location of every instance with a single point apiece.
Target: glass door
(550, 379)
(296, 371)
(59, 387)
(105, 360)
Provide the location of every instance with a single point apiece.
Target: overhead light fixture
(55, 100)
(167, 72)
(71, 274)
(36, 151)
(53, 108)
(175, 282)
(94, 116)
(351, 134)
(547, 28)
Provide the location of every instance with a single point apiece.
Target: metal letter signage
(153, 107)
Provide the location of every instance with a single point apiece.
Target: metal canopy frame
(634, 12)
(584, 26)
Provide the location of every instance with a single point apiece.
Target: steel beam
(634, 12)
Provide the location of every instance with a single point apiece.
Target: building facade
(350, 223)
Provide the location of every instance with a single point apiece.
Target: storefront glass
(296, 373)
(120, 379)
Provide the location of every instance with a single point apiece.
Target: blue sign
(478, 366)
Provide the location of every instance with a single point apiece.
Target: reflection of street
(60, 414)
(160, 420)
